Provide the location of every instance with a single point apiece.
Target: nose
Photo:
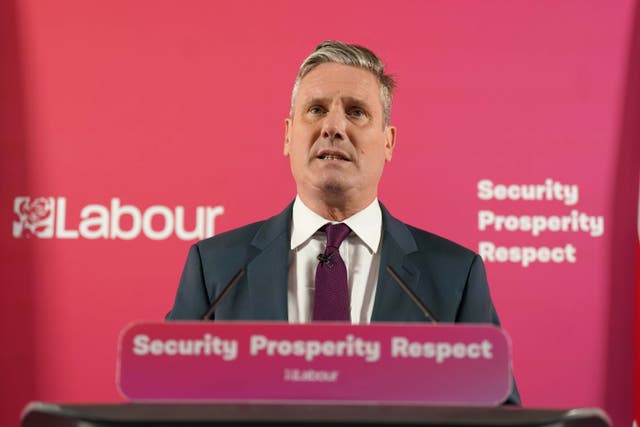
(334, 125)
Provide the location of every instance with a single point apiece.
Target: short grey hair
(331, 51)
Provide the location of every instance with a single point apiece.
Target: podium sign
(438, 364)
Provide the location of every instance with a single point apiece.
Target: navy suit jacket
(449, 278)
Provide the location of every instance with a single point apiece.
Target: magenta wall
(165, 104)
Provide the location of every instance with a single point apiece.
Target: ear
(389, 142)
(287, 138)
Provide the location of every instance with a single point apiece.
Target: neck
(335, 210)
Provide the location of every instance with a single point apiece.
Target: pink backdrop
(163, 104)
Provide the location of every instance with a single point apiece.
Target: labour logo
(35, 217)
(46, 217)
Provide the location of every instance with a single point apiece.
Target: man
(338, 137)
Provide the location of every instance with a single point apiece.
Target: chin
(334, 187)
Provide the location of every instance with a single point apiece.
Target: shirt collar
(366, 224)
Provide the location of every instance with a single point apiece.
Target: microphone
(225, 291)
(414, 297)
(324, 259)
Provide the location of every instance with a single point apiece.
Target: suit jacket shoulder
(260, 250)
(448, 277)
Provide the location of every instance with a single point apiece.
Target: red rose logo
(35, 217)
(37, 210)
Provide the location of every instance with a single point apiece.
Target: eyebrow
(349, 100)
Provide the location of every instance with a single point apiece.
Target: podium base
(264, 414)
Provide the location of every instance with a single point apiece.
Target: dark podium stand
(246, 414)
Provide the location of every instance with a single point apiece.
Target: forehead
(335, 81)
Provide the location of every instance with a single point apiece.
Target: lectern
(275, 374)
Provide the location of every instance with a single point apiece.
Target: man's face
(336, 141)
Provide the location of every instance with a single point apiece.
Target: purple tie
(331, 296)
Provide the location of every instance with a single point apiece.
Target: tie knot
(336, 233)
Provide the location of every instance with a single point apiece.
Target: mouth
(332, 156)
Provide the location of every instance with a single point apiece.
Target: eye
(357, 113)
(316, 110)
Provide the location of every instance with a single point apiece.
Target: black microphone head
(323, 258)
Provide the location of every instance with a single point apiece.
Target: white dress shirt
(360, 252)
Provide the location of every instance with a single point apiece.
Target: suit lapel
(391, 303)
(267, 272)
